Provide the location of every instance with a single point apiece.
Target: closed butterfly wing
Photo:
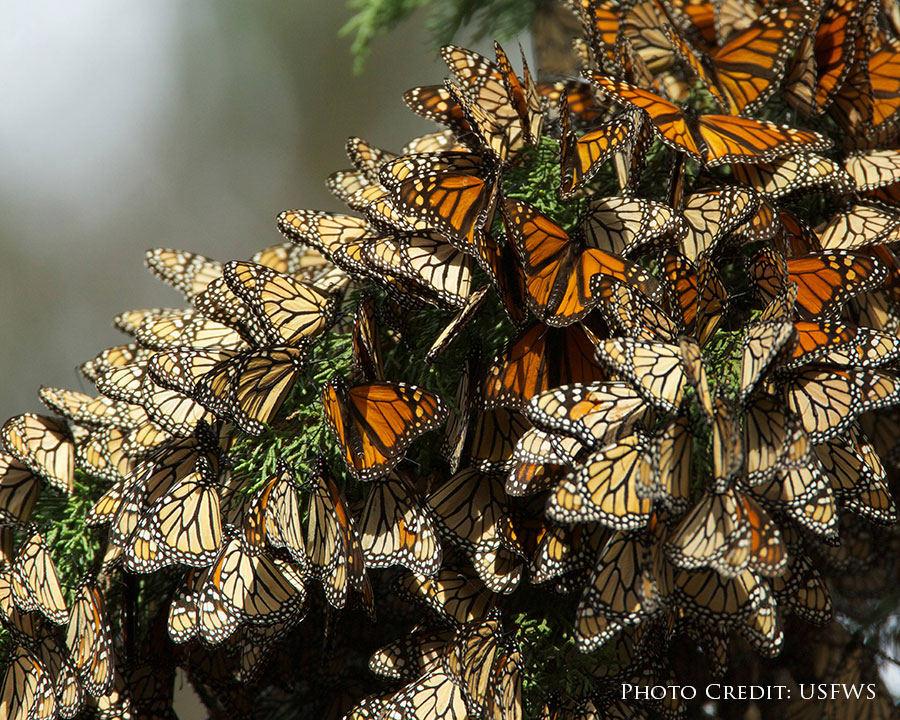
(35, 581)
(290, 310)
(396, 530)
(183, 526)
(333, 542)
(189, 273)
(88, 638)
(27, 690)
(44, 445)
(604, 488)
(595, 413)
(655, 370)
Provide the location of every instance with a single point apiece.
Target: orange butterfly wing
(667, 118)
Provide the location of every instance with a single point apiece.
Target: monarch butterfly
(537, 360)
(171, 328)
(717, 139)
(696, 375)
(631, 312)
(53, 655)
(290, 259)
(487, 670)
(454, 193)
(623, 590)
(805, 495)
(452, 595)
(558, 268)
(656, 370)
(596, 413)
(169, 410)
(335, 552)
(189, 273)
(367, 158)
(506, 115)
(641, 26)
(427, 260)
(711, 215)
(44, 445)
(27, 690)
(873, 169)
(539, 461)
(384, 216)
(101, 452)
(19, 490)
(799, 84)
(289, 310)
(183, 526)
(435, 102)
(672, 455)
(501, 262)
(150, 480)
(434, 695)
(801, 590)
(454, 327)
(432, 142)
(825, 280)
(35, 582)
(375, 422)
(471, 509)
(582, 157)
(250, 587)
(579, 99)
(828, 401)
(604, 488)
(566, 551)
(761, 343)
(219, 303)
(832, 342)
(860, 225)
(367, 340)
(785, 175)
(130, 320)
(354, 188)
(396, 530)
(697, 293)
(708, 595)
(835, 48)
(744, 72)
(246, 387)
(411, 656)
(114, 357)
(857, 477)
(491, 442)
(325, 232)
(620, 225)
(88, 639)
(760, 629)
(774, 440)
(282, 514)
(730, 533)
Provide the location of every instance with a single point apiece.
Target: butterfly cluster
(597, 384)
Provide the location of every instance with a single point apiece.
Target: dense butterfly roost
(597, 385)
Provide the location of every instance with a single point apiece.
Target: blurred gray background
(179, 124)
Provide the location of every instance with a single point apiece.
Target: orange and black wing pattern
(558, 268)
(375, 422)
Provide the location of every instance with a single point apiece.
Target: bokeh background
(127, 126)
